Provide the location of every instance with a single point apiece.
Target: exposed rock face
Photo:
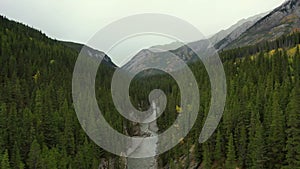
(238, 31)
(185, 52)
(219, 41)
(283, 20)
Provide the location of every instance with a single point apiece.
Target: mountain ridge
(35, 33)
(90, 52)
(184, 52)
(282, 20)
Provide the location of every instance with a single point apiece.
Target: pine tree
(63, 159)
(3, 126)
(293, 131)
(38, 111)
(34, 156)
(68, 136)
(242, 147)
(256, 147)
(207, 162)
(16, 160)
(218, 149)
(230, 159)
(49, 158)
(84, 156)
(5, 161)
(12, 126)
(277, 134)
(27, 132)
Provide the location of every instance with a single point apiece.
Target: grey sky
(78, 20)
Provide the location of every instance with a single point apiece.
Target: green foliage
(230, 159)
(34, 160)
(38, 126)
(293, 131)
(218, 155)
(256, 146)
(5, 161)
(277, 133)
(207, 162)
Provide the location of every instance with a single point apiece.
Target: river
(145, 147)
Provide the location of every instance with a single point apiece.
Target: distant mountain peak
(284, 19)
(183, 50)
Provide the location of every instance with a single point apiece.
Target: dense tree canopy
(260, 127)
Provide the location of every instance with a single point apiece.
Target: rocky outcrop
(283, 20)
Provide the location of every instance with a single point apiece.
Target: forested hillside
(38, 124)
(260, 127)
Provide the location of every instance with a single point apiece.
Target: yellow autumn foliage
(178, 109)
(36, 76)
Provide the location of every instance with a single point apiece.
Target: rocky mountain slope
(185, 52)
(234, 31)
(281, 21)
(90, 52)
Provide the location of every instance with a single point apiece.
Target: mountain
(149, 57)
(184, 52)
(281, 21)
(38, 123)
(166, 47)
(90, 52)
(235, 30)
(39, 127)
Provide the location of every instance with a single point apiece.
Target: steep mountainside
(91, 52)
(281, 21)
(166, 47)
(234, 34)
(234, 31)
(38, 125)
(185, 53)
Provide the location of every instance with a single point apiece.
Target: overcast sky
(79, 20)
